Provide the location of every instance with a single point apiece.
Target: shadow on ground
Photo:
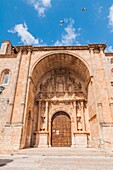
(3, 162)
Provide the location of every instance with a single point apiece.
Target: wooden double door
(61, 130)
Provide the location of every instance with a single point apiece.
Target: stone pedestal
(41, 139)
(80, 139)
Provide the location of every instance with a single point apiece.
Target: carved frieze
(60, 83)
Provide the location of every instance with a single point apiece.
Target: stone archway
(61, 130)
(60, 81)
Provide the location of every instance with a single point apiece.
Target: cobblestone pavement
(58, 159)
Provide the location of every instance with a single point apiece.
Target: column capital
(29, 50)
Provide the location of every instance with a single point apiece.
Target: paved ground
(58, 159)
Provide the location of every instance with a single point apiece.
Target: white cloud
(40, 5)
(69, 36)
(46, 3)
(110, 17)
(110, 49)
(26, 37)
(100, 10)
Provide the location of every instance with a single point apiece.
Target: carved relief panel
(60, 87)
(60, 82)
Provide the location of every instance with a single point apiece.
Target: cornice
(109, 54)
(8, 55)
(96, 46)
(52, 48)
(25, 49)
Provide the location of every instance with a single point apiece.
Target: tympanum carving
(59, 83)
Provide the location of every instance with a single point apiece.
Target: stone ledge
(81, 132)
(42, 132)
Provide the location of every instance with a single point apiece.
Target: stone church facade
(55, 96)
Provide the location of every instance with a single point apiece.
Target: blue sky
(38, 22)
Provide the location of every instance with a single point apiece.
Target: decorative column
(101, 119)
(22, 84)
(39, 116)
(26, 85)
(74, 124)
(79, 119)
(95, 91)
(49, 132)
(13, 89)
(75, 114)
(100, 112)
(86, 117)
(38, 124)
(46, 116)
(105, 83)
(42, 133)
(82, 116)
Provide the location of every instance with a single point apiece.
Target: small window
(5, 77)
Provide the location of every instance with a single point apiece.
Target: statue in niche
(79, 124)
(79, 106)
(41, 87)
(42, 123)
(43, 106)
(78, 113)
(79, 85)
(47, 82)
(72, 80)
(70, 88)
(50, 88)
(75, 85)
(60, 86)
(42, 117)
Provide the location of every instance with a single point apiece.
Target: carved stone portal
(60, 88)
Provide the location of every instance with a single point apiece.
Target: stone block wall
(10, 138)
(18, 97)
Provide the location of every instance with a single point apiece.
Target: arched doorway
(61, 130)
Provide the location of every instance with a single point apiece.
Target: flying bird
(60, 25)
(83, 9)
(62, 21)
